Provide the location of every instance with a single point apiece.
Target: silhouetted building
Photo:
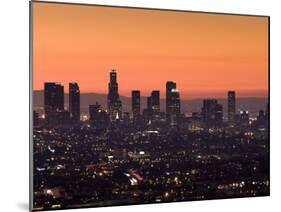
(231, 107)
(74, 102)
(169, 86)
(53, 100)
(155, 102)
(174, 102)
(98, 117)
(173, 107)
(113, 102)
(136, 104)
(212, 113)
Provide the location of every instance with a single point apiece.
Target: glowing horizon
(205, 54)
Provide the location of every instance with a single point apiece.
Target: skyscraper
(74, 102)
(231, 100)
(173, 107)
(155, 101)
(174, 102)
(113, 102)
(169, 86)
(53, 100)
(136, 103)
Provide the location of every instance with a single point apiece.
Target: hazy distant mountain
(252, 104)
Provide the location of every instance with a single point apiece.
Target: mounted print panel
(136, 106)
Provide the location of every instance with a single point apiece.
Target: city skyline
(54, 103)
(220, 62)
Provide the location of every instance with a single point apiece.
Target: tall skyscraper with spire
(114, 105)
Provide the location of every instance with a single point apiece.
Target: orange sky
(205, 54)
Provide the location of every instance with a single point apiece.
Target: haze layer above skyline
(205, 54)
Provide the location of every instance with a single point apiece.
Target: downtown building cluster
(211, 117)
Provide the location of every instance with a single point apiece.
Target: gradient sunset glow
(205, 54)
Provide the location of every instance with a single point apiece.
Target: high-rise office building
(173, 106)
(136, 103)
(155, 101)
(174, 102)
(74, 102)
(114, 104)
(169, 87)
(53, 100)
(231, 106)
(212, 113)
